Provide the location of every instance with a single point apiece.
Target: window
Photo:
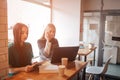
(34, 15)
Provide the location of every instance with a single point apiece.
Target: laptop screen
(68, 52)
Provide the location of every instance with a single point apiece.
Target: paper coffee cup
(61, 70)
(77, 64)
(64, 61)
(91, 45)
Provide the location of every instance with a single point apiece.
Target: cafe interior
(93, 25)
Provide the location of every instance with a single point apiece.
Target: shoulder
(10, 45)
(27, 44)
(41, 40)
(11, 48)
(55, 40)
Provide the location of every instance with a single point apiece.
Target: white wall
(35, 16)
(66, 17)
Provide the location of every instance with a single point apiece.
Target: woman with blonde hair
(48, 42)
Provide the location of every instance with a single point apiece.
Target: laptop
(60, 52)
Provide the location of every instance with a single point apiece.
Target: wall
(112, 29)
(66, 17)
(37, 20)
(3, 39)
(91, 26)
(96, 5)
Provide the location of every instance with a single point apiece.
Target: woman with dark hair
(20, 52)
(47, 42)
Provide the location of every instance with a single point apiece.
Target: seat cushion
(94, 70)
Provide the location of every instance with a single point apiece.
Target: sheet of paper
(48, 68)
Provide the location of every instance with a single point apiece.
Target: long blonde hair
(49, 25)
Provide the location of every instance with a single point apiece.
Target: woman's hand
(28, 68)
(47, 36)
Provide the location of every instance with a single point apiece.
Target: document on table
(48, 68)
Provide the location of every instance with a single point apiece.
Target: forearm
(27, 68)
(16, 70)
(47, 48)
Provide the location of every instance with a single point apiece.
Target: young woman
(47, 42)
(20, 52)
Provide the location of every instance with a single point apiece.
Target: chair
(95, 70)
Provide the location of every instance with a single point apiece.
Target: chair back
(106, 65)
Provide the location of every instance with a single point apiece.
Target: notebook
(60, 52)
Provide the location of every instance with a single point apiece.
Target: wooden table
(85, 52)
(35, 75)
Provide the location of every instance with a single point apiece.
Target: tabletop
(85, 51)
(35, 75)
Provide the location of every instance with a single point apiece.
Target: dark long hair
(17, 29)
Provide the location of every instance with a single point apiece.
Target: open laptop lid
(60, 52)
